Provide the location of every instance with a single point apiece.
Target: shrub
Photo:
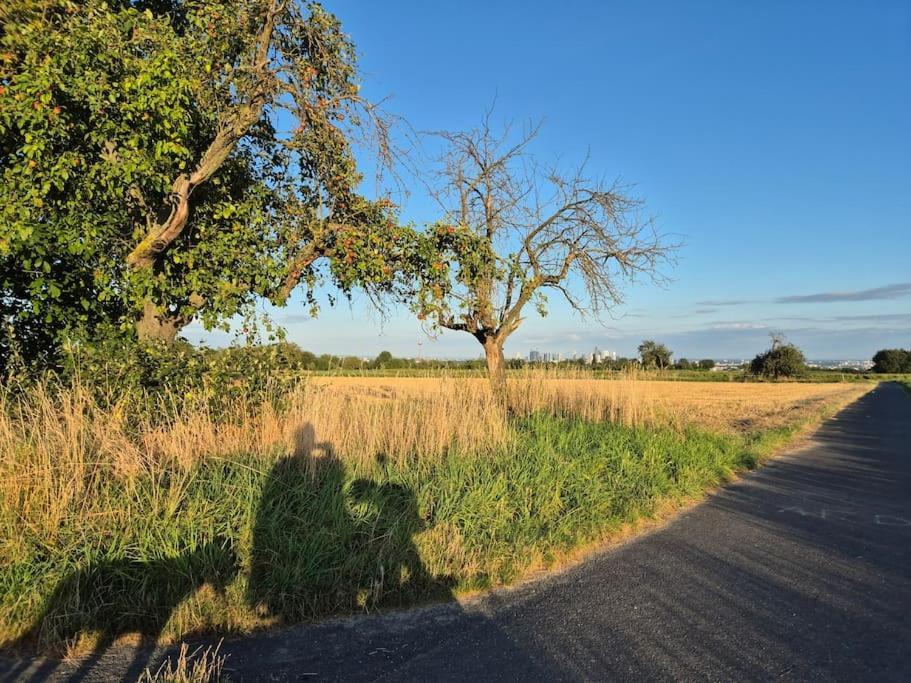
(164, 377)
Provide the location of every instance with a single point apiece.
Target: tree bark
(496, 369)
(156, 325)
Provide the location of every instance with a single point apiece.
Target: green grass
(285, 540)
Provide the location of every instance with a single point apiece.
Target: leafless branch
(581, 237)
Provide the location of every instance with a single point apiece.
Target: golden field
(724, 406)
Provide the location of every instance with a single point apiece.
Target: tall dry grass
(58, 443)
(573, 393)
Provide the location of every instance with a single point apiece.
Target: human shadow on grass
(113, 598)
(326, 544)
(323, 543)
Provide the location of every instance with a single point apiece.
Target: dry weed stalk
(203, 665)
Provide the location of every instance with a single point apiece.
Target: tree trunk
(496, 369)
(153, 324)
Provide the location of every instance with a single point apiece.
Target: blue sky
(774, 138)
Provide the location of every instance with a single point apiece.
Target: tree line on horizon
(385, 360)
(109, 364)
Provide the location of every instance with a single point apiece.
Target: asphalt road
(800, 571)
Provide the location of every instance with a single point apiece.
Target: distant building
(535, 356)
(599, 356)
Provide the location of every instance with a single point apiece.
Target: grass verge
(241, 540)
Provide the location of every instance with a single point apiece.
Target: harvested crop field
(728, 407)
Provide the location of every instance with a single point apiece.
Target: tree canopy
(654, 355)
(892, 361)
(781, 360)
(166, 161)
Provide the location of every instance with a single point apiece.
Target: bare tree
(515, 229)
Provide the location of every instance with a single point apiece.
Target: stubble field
(718, 406)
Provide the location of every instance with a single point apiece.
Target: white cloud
(738, 326)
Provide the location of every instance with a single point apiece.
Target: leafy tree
(892, 361)
(308, 360)
(515, 230)
(386, 360)
(169, 161)
(683, 364)
(781, 360)
(706, 364)
(383, 358)
(654, 355)
(352, 363)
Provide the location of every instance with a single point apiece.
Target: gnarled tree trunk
(496, 369)
(157, 325)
